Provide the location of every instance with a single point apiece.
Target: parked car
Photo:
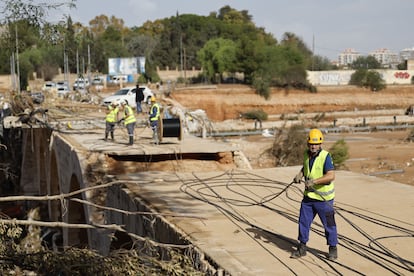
(98, 80)
(119, 79)
(37, 97)
(128, 93)
(80, 83)
(62, 84)
(63, 91)
(49, 86)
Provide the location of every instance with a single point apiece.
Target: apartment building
(386, 58)
(347, 57)
(407, 54)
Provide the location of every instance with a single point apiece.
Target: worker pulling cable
(318, 196)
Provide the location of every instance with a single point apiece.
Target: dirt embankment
(384, 154)
(228, 101)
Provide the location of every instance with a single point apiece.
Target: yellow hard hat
(153, 99)
(315, 136)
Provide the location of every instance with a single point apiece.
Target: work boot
(106, 137)
(300, 251)
(333, 253)
(112, 136)
(131, 140)
(156, 139)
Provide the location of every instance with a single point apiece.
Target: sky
(328, 27)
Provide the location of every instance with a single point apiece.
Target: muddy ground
(385, 154)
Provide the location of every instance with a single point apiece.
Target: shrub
(289, 146)
(368, 79)
(339, 153)
(257, 114)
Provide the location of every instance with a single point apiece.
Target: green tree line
(222, 44)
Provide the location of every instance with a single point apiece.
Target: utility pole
(88, 68)
(17, 60)
(181, 53)
(65, 63)
(313, 52)
(77, 63)
(13, 71)
(185, 68)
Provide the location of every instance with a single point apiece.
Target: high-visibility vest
(322, 192)
(111, 117)
(129, 115)
(155, 108)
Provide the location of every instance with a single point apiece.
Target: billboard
(126, 66)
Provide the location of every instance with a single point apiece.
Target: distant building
(386, 58)
(347, 57)
(410, 64)
(407, 54)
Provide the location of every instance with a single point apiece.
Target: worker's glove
(120, 121)
(309, 183)
(298, 177)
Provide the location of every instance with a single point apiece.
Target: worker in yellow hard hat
(111, 119)
(129, 120)
(318, 197)
(154, 117)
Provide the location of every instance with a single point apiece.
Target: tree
(368, 62)
(28, 12)
(229, 14)
(34, 13)
(358, 77)
(281, 66)
(374, 81)
(319, 63)
(141, 45)
(218, 56)
(367, 78)
(291, 40)
(70, 46)
(402, 65)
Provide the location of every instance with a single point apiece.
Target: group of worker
(129, 120)
(317, 174)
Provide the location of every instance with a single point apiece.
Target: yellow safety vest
(111, 117)
(322, 192)
(129, 118)
(157, 115)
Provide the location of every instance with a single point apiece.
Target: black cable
(237, 218)
(201, 186)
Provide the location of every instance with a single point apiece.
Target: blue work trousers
(130, 128)
(308, 210)
(139, 107)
